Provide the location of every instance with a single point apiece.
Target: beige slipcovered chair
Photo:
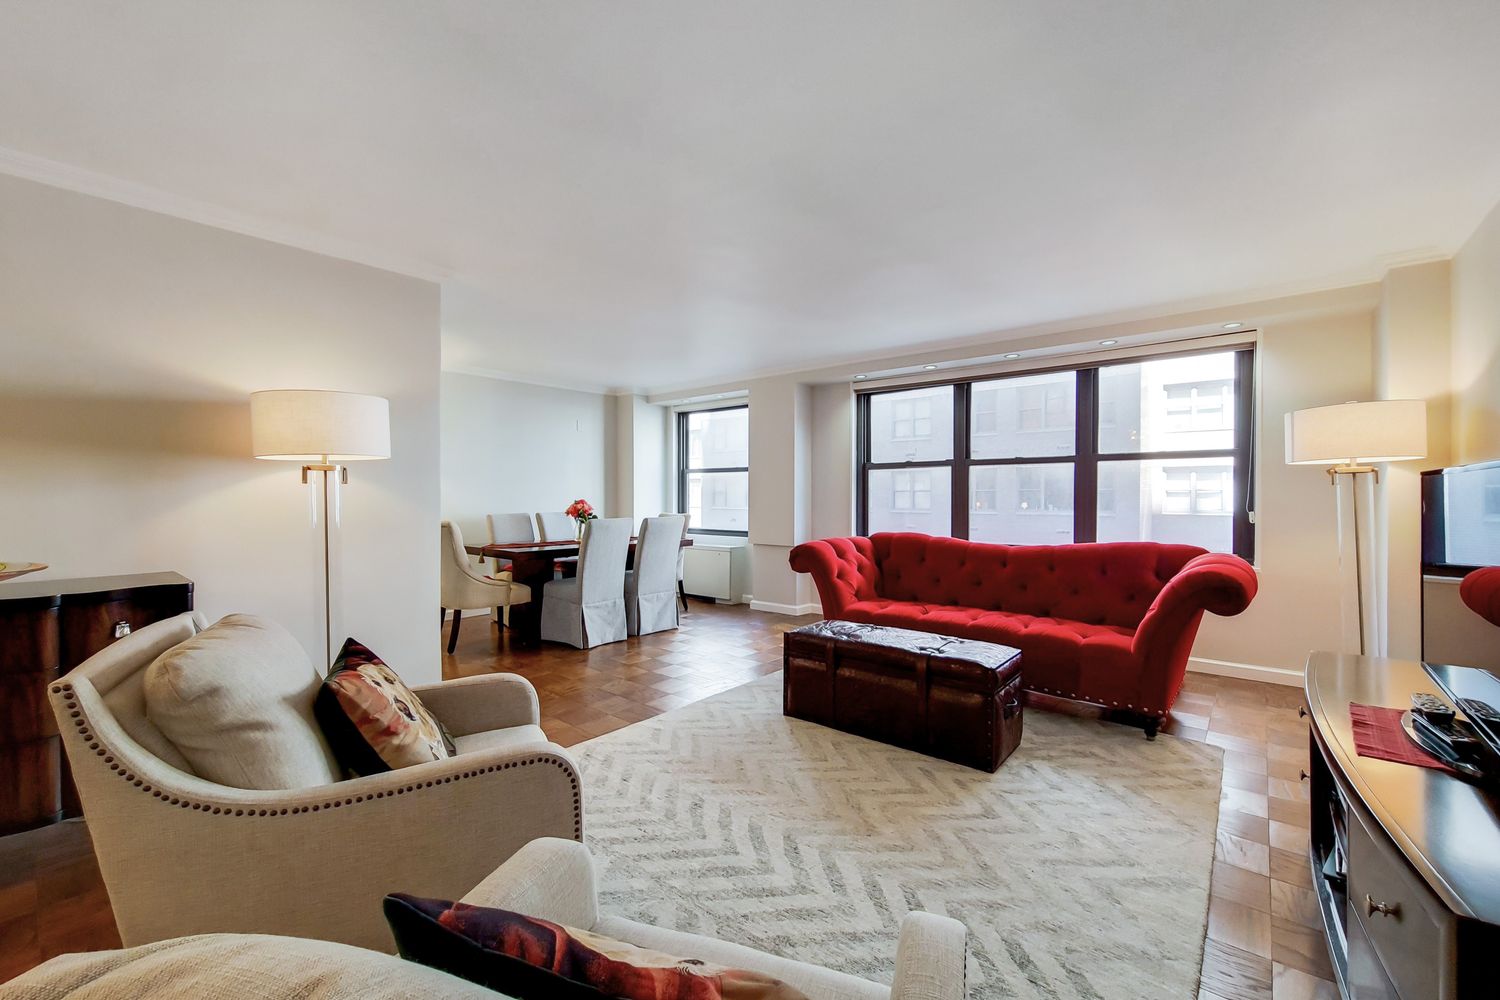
(651, 587)
(184, 855)
(554, 879)
(507, 528)
(465, 587)
(588, 610)
(681, 561)
(555, 526)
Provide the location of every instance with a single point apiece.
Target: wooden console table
(1405, 860)
(48, 627)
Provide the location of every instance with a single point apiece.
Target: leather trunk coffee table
(955, 699)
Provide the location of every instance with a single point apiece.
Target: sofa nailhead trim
(81, 726)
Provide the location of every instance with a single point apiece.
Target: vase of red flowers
(583, 512)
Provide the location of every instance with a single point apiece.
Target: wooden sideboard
(48, 627)
(1405, 860)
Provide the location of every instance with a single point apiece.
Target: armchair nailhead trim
(82, 731)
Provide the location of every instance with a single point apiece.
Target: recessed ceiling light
(1233, 326)
(1011, 357)
(929, 368)
(860, 377)
(1108, 343)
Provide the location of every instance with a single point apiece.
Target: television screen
(1461, 518)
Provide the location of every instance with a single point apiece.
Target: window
(713, 470)
(1198, 406)
(1043, 407)
(986, 410)
(1155, 449)
(911, 490)
(911, 419)
(1044, 489)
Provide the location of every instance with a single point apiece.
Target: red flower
(580, 510)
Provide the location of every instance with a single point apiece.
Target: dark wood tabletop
(1448, 829)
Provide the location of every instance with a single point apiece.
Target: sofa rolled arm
(549, 878)
(478, 704)
(1216, 582)
(930, 959)
(1480, 590)
(843, 569)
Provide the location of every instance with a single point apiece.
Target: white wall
(639, 473)
(129, 344)
(1476, 345)
(512, 447)
(780, 491)
(832, 460)
(1412, 361)
(1299, 364)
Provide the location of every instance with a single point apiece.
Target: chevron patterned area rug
(1081, 867)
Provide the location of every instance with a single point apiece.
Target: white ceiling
(656, 192)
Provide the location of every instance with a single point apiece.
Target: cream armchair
(554, 879)
(182, 855)
(465, 587)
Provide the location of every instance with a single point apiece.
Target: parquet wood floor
(1263, 937)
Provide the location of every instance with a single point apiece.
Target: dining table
(534, 564)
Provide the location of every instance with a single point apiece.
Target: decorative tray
(11, 570)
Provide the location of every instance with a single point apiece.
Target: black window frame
(1086, 455)
(683, 470)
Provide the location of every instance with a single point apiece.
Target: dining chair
(507, 528)
(464, 587)
(650, 588)
(555, 526)
(681, 559)
(588, 610)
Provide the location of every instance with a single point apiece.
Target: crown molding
(53, 173)
(1410, 258)
(593, 388)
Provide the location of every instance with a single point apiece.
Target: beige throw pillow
(237, 700)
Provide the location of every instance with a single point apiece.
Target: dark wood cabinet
(1405, 860)
(48, 627)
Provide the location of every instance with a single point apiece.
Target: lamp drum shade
(1384, 430)
(305, 425)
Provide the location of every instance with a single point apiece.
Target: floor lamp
(322, 430)
(1350, 438)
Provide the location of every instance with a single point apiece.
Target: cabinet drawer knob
(121, 629)
(1373, 906)
(1301, 775)
(1301, 712)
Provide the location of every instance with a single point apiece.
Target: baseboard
(796, 610)
(1246, 671)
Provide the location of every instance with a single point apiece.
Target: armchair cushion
(534, 959)
(373, 721)
(501, 739)
(237, 967)
(236, 700)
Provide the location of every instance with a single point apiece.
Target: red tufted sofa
(1109, 623)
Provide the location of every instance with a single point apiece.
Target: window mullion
(959, 487)
(1086, 457)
